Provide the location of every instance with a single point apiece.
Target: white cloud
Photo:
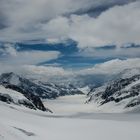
(8, 49)
(48, 71)
(80, 77)
(119, 25)
(60, 75)
(35, 57)
(103, 53)
(113, 67)
(109, 67)
(13, 57)
(20, 13)
(45, 19)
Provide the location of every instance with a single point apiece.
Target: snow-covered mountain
(11, 96)
(33, 91)
(122, 93)
(44, 90)
(119, 94)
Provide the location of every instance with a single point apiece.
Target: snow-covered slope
(11, 96)
(25, 124)
(118, 95)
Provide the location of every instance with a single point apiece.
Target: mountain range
(121, 93)
(33, 90)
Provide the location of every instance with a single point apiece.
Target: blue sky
(72, 57)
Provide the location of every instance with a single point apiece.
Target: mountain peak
(10, 78)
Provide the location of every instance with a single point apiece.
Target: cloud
(98, 74)
(8, 49)
(114, 66)
(109, 53)
(50, 71)
(56, 21)
(117, 26)
(10, 56)
(111, 67)
(59, 20)
(89, 76)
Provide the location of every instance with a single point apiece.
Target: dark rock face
(122, 89)
(5, 98)
(116, 86)
(36, 101)
(31, 97)
(26, 103)
(8, 99)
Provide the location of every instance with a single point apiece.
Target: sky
(69, 37)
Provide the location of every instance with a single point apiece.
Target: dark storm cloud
(96, 10)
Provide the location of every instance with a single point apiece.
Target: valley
(29, 111)
(22, 123)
